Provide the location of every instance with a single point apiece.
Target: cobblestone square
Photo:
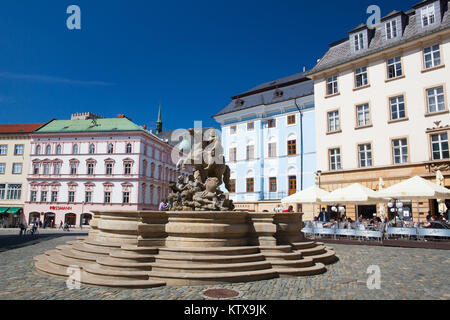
(405, 274)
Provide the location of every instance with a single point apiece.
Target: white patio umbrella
(415, 188)
(440, 182)
(311, 195)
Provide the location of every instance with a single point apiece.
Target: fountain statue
(201, 190)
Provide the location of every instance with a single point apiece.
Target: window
(126, 197)
(71, 196)
(291, 119)
(250, 155)
(394, 67)
(428, 15)
(32, 196)
(435, 99)
(362, 115)
(36, 168)
(232, 129)
(110, 148)
(73, 168)
(250, 126)
(3, 149)
(272, 150)
(38, 149)
(361, 77)
(250, 185)
(17, 168)
(128, 148)
(91, 148)
(335, 159)
(400, 150)
(365, 155)
(109, 168)
(56, 168)
(58, 149)
(332, 85)
(2, 168)
(127, 168)
(43, 196)
(271, 123)
(431, 56)
(272, 184)
(391, 29)
(232, 154)
(359, 41)
(54, 196)
(292, 147)
(18, 149)
(397, 107)
(90, 168)
(292, 181)
(2, 191)
(46, 168)
(75, 149)
(48, 149)
(88, 197)
(107, 197)
(439, 146)
(333, 121)
(232, 185)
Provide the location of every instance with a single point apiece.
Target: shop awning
(3, 209)
(14, 210)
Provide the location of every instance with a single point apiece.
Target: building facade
(269, 140)
(90, 163)
(381, 101)
(14, 165)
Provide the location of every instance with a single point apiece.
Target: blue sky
(193, 55)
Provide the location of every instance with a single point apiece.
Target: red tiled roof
(20, 128)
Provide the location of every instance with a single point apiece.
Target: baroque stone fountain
(200, 240)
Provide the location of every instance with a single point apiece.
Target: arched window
(128, 148)
(91, 148)
(110, 148)
(38, 149)
(75, 149)
(48, 149)
(58, 149)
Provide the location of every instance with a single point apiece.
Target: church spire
(159, 121)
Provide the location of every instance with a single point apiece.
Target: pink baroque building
(89, 163)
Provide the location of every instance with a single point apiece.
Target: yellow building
(14, 165)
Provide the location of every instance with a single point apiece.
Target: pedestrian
(289, 209)
(323, 216)
(163, 205)
(60, 225)
(23, 228)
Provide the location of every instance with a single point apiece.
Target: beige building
(381, 99)
(14, 166)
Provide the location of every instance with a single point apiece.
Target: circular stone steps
(78, 255)
(267, 249)
(108, 274)
(227, 251)
(102, 244)
(66, 262)
(136, 257)
(210, 268)
(305, 262)
(282, 256)
(121, 264)
(175, 278)
(318, 268)
(312, 251)
(97, 281)
(328, 257)
(304, 245)
(139, 250)
(209, 259)
(90, 249)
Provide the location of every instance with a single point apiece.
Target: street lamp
(318, 173)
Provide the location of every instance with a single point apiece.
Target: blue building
(268, 136)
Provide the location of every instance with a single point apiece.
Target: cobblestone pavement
(405, 274)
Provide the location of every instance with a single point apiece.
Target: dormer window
(359, 41)
(428, 15)
(278, 93)
(391, 29)
(239, 103)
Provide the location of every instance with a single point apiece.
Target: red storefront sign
(60, 208)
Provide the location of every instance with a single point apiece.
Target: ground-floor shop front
(11, 216)
(75, 215)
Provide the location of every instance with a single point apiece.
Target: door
(292, 184)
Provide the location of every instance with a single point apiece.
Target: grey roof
(391, 14)
(293, 86)
(340, 53)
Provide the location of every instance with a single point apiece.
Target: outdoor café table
(368, 234)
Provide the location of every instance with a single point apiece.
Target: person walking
(323, 216)
(60, 225)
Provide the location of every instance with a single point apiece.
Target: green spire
(159, 121)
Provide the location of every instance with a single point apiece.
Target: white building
(381, 102)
